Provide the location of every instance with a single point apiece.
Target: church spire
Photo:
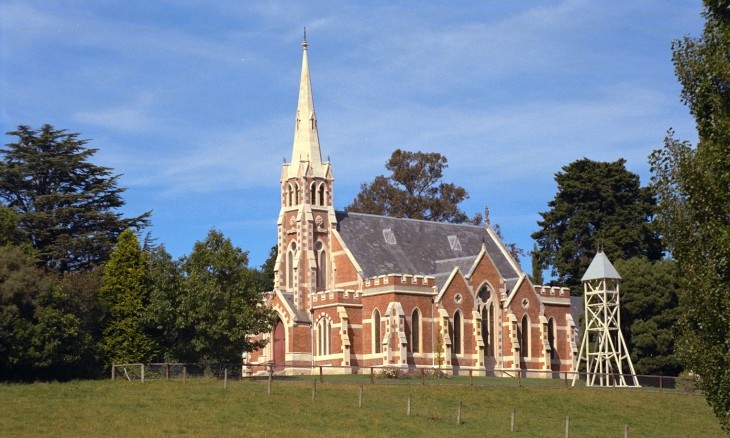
(306, 137)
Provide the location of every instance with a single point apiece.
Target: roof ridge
(461, 224)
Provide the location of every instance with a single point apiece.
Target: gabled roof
(417, 247)
(599, 268)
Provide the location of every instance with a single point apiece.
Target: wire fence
(391, 375)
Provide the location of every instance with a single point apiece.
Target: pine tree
(596, 204)
(66, 205)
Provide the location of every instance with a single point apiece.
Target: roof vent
(389, 236)
(454, 243)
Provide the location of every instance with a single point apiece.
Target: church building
(353, 291)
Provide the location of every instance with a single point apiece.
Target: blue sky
(194, 101)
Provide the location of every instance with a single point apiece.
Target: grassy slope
(201, 407)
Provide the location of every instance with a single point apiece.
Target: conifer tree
(597, 203)
(125, 290)
(66, 205)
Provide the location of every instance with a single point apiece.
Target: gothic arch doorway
(279, 345)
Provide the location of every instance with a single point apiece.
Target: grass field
(202, 407)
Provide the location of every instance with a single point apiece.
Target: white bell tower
(603, 348)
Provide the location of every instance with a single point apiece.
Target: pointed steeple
(306, 137)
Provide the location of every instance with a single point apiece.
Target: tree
(265, 273)
(649, 314)
(8, 226)
(222, 304)
(536, 267)
(693, 187)
(41, 338)
(163, 315)
(125, 290)
(66, 205)
(596, 204)
(413, 190)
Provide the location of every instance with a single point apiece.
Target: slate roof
(421, 247)
(577, 311)
(299, 315)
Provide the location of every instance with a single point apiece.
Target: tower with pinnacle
(306, 215)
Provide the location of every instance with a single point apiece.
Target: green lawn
(202, 407)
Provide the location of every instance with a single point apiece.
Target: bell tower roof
(600, 268)
(306, 137)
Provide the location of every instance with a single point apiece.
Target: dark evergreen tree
(66, 205)
(536, 267)
(693, 186)
(413, 190)
(266, 272)
(649, 314)
(596, 204)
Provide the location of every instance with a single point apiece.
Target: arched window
(525, 337)
(296, 194)
(485, 329)
(321, 194)
(492, 335)
(312, 193)
(321, 261)
(456, 341)
(289, 194)
(551, 339)
(416, 331)
(324, 337)
(290, 266)
(376, 331)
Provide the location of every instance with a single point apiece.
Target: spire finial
(304, 42)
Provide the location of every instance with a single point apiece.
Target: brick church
(355, 290)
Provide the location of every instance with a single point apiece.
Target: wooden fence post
(512, 422)
(142, 365)
(225, 378)
(185, 373)
(314, 389)
(167, 371)
(372, 375)
(471, 381)
(408, 406)
(626, 431)
(359, 398)
(458, 414)
(567, 426)
(113, 372)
